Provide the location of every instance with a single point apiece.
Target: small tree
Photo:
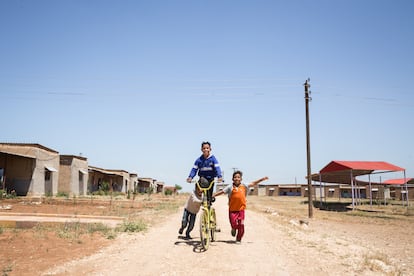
(168, 192)
(105, 187)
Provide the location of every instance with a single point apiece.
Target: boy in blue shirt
(208, 167)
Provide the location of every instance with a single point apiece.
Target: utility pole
(307, 99)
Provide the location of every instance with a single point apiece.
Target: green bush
(63, 194)
(104, 186)
(98, 227)
(133, 226)
(4, 194)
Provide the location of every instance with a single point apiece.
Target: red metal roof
(334, 166)
(344, 171)
(399, 181)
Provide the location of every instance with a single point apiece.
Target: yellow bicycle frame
(207, 224)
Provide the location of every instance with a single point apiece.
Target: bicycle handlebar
(204, 189)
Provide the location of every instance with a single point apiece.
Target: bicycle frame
(207, 219)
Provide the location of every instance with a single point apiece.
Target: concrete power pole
(309, 177)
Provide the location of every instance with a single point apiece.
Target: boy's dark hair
(205, 143)
(237, 172)
(204, 183)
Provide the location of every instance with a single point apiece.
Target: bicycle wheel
(204, 230)
(212, 224)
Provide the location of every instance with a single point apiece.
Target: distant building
(172, 189)
(159, 186)
(29, 169)
(146, 185)
(117, 180)
(133, 177)
(73, 175)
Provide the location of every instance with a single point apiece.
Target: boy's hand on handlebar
(220, 180)
(189, 180)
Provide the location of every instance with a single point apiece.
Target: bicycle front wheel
(213, 224)
(204, 230)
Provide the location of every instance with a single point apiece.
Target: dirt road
(270, 247)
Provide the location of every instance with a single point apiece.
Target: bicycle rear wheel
(204, 230)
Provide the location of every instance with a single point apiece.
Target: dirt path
(269, 247)
(162, 252)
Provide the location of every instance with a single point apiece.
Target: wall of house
(272, 190)
(143, 185)
(65, 179)
(119, 181)
(95, 180)
(44, 181)
(253, 191)
(73, 175)
(79, 176)
(332, 192)
(133, 178)
(400, 193)
(126, 182)
(289, 191)
(18, 173)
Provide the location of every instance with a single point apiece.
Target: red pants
(237, 222)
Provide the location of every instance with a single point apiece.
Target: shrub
(63, 194)
(133, 226)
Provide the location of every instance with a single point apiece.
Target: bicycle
(208, 216)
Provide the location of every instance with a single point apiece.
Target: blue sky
(138, 85)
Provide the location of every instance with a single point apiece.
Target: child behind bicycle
(191, 209)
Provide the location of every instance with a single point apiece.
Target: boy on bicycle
(237, 193)
(191, 209)
(207, 167)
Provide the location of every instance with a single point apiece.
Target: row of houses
(348, 179)
(378, 191)
(35, 170)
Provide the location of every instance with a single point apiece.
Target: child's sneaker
(180, 231)
(233, 232)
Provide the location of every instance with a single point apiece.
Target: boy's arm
(193, 172)
(254, 183)
(218, 169)
(218, 193)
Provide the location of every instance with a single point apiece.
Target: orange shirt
(237, 200)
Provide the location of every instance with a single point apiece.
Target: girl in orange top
(237, 202)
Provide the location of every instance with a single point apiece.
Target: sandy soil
(279, 240)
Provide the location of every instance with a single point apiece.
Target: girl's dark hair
(205, 143)
(237, 172)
